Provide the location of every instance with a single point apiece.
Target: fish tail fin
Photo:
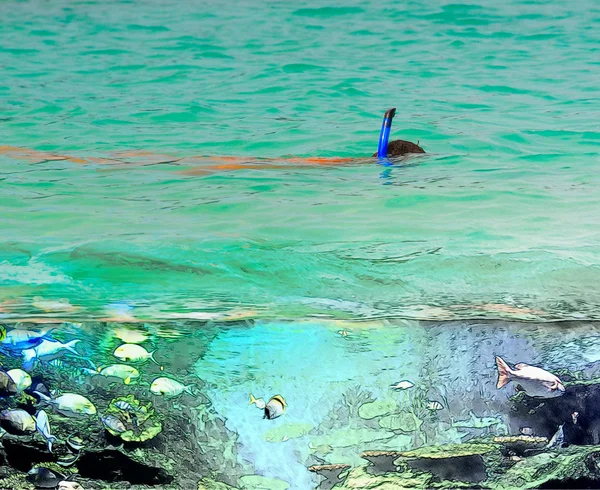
(127, 380)
(51, 440)
(503, 372)
(154, 360)
(70, 346)
(43, 398)
(190, 390)
(252, 399)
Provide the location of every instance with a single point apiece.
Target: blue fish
(19, 339)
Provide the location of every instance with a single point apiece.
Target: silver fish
(526, 431)
(125, 406)
(575, 417)
(19, 339)
(17, 422)
(48, 350)
(42, 424)
(536, 382)
(113, 423)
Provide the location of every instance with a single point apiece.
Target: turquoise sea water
(153, 171)
(503, 210)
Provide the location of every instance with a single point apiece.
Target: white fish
(121, 371)
(42, 424)
(526, 431)
(69, 485)
(402, 385)
(259, 402)
(48, 350)
(434, 405)
(574, 417)
(275, 407)
(21, 379)
(134, 353)
(169, 387)
(536, 382)
(70, 404)
(113, 423)
(17, 422)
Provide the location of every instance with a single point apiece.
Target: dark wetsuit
(398, 148)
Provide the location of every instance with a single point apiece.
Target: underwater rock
(331, 473)
(573, 467)
(7, 385)
(43, 477)
(358, 478)
(520, 445)
(208, 484)
(114, 465)
(21, 453)
(462, 462)
(381, 461)
(545, 416)
(139, 420)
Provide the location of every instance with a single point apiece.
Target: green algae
(358, 478)
(568, 464)
(257, 482)
(142, 423)
(451, 451)
(287, 431)
(208, 484)
(377, 408)
(403, 422)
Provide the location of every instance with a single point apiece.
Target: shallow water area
(339, 381)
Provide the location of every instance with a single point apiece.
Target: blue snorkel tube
(384, 136)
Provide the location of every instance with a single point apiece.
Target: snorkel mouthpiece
(384, 136)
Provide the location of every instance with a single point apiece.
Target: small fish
(275, 407)
(69, 485)
(526, 431)
(259, 402)
(558, 439)
(402, 385)
(125, 406)
(7, 385)
(534, 381)
(47, 351)
(70, 404)
(475, 422)
(74, 443)
(113, 424)
(67, 462)
(57, 363)
(42, 424)
(19, 339)
(169, 387)
(575, 416)
(343, 333)
(133, 353)
(17, 422)
(43, 477)
(434, 405)
(21, 379)
(121, 371)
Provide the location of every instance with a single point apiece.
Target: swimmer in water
(395, 148)
(385, 149)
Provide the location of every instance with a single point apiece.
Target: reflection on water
(182, 401)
